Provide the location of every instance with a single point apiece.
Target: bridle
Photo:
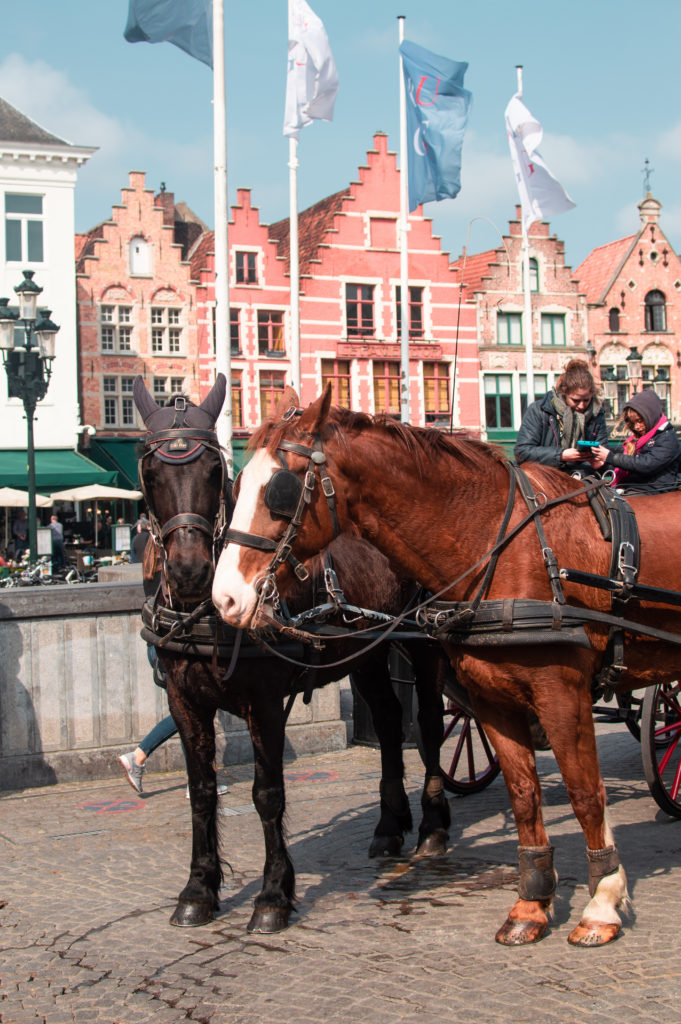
(286, 496)
(178, 445)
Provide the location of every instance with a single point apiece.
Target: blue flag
(437, 114)
(185, 23)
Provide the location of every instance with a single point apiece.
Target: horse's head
(184, 481)
(286, 510)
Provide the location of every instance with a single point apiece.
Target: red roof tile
(475, 270)
(601, 267)
(313, 225)
(84, 245)
(205, 244)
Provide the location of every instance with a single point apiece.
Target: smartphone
(587, 445)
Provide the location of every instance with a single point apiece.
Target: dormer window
(139, 254)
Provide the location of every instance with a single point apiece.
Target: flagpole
(525, 251)
(223, 348)
(295, 265)
(404, 243)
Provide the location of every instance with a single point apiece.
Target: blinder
(283, 492)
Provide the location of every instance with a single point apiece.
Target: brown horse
(433, 504)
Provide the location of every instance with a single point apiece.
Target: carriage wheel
(631, 707)
(661, 745)
(468, 763)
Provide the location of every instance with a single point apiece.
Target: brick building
(493, 282)
(349, 314)
(633, 290)
(136, 309)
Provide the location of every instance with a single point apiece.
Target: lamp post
(634, 368)
(28, 365)
(609, 382)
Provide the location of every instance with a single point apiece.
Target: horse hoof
(192, 915)
(386, 846)
(434, 845)
(520, 933)
(593, 933)
(267, 920)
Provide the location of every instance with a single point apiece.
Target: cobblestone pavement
(90, 873)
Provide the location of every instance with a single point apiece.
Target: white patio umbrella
(10, 497)
(95, 492)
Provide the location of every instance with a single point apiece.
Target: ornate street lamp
(634, 368)
(661, 385)
(28, 365)
(609, 382)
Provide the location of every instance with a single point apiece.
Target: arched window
(614, 319)
(139, 253)
(534, 275)
(656, 314)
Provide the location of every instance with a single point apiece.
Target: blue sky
(602, 76)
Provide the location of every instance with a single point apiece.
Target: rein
(286, 481)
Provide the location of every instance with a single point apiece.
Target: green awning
(120, 454)
(55, 469)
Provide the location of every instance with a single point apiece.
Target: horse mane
(420, 442)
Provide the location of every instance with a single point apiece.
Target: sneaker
(222, 790)
(133, 771)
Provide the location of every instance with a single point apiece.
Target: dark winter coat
(539, 436)
(653, 469)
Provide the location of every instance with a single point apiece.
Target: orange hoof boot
(593, 933)
(519, 933)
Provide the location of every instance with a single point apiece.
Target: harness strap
(186, 519)
(535, 507)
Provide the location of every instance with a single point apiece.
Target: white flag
(540, 194)
(312, 79)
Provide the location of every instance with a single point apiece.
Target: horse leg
(373, 683)
(571, 716)
(199, 900)
(429, 669)
(509, 732)
(275, 902)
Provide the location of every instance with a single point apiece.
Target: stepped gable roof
(597, 272)
(313, 225)
(84, 245)
(476, 269)
(16, 127)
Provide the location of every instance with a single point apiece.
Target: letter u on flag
(312, 79)
(185, 23)
(437, 115)
(540, 194)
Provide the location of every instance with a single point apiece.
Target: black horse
(189, 497)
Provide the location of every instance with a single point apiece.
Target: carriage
(528, 645)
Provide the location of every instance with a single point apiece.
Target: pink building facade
(349, 308)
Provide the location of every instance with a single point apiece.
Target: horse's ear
(215, 399)
(143, 400)
(288, 398)
(315, 415)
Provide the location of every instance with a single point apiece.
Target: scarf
(633, 445)
(571, 423)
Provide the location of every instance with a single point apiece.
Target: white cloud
(669, 142)
(47, 97)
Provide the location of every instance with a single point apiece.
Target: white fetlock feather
(611, 894)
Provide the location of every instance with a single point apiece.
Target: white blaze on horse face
(233, 596)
